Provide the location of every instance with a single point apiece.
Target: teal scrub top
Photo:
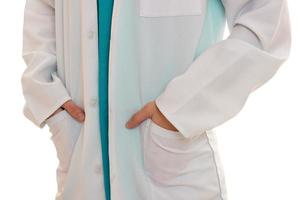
(105, 8)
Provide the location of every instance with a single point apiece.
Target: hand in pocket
(150, 111)
(74, 110)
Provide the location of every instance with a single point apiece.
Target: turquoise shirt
(105, 8)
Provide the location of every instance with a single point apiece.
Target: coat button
(98, 169)
(93, 102)
(91, 34)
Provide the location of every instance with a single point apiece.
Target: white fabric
(158, 8)
(168, 155)
(166, 51)
(217, 84)
(43, 90)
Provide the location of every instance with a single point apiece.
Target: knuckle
(135, 118)
(72, 112)
(147, 106)
(148, 110)
(77, 113)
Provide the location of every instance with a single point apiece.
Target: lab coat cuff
(162, 105)
(39, 107)
(40, 119)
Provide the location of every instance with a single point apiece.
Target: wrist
(57, 111)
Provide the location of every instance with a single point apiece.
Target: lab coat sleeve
(217, 84)
(43, 90)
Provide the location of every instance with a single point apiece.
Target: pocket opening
(65, 139)
(56, 117)
(163, 131)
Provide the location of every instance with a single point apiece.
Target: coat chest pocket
(161, 8)
(168, 156)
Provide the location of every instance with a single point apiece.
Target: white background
(260, 147)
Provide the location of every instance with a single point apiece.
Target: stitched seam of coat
(215, 162)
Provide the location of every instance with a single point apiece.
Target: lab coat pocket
(168, 155)
(65, 132)
(160, 8)
(54, 122)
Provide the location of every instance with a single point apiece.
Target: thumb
(140, 116)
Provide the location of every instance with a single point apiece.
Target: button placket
(113, 176)
(91, 34)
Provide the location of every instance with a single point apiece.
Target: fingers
(140, 116)
(75, 111)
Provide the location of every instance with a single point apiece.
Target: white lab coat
(169, 51)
